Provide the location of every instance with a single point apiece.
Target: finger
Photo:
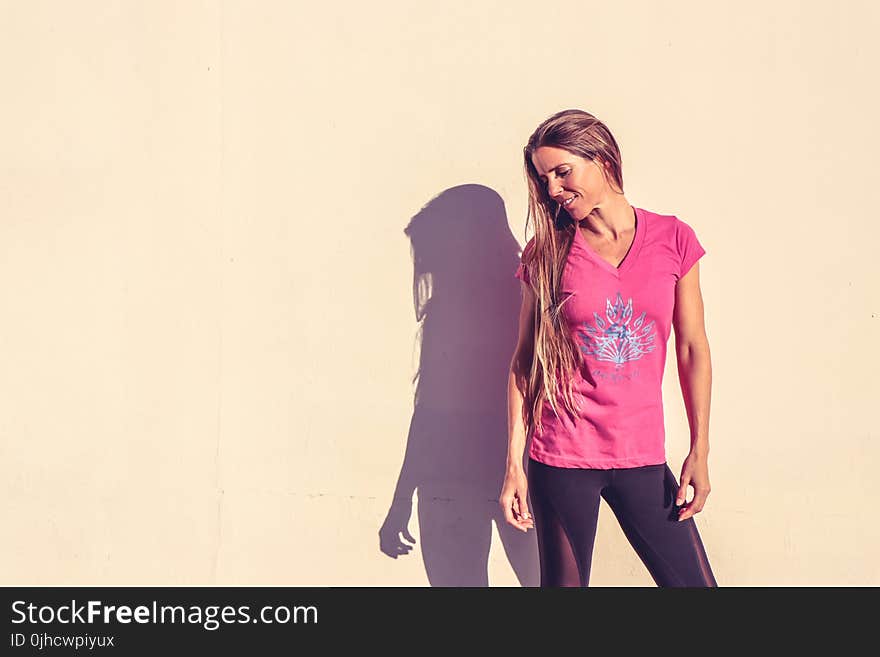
(681, 498)
(507, 508)
(528, 519)
(524, 517)
(686, 511)
(524, 505)
(694, 507)
(511, 511)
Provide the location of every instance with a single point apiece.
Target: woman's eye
(561, 174)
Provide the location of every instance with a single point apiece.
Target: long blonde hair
(556, 355)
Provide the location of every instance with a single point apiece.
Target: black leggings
(565, 504)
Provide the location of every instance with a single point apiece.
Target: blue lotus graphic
(615, 339)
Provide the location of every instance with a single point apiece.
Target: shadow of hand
(395, 525)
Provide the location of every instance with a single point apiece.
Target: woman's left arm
(695, 377)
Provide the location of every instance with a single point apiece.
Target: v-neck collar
(630, 256)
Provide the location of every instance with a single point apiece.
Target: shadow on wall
(467, 302)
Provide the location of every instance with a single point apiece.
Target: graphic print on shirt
(616, 340)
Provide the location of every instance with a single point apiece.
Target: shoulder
(668, 226)
(683, 227)
(660, 224)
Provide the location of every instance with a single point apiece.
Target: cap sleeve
(521, 271)
(688, 246)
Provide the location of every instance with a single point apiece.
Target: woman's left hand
(695, 473)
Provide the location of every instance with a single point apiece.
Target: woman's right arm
(514, 492)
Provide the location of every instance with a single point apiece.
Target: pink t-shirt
(622, 318)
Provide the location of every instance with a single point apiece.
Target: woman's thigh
(565, 505)
(643, 500)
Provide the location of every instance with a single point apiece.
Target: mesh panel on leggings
(559, 565)
(708, 579)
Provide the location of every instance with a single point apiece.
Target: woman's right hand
(513, 500)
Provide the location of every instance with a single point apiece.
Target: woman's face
(569, 176)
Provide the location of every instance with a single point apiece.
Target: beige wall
(207, 322)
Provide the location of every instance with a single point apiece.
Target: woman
(602, 283)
